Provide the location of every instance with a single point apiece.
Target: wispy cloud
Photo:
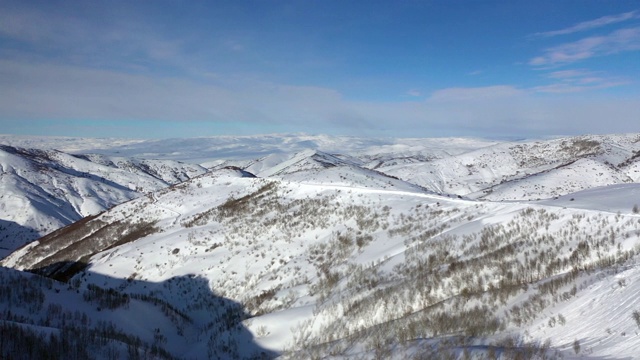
(115, 41)
(566, 88)
(64, 92)
(126, 65)
(579, 80)
(474, 93)
(569, 74)
(592, 24)
(618, 41)
(71, 92)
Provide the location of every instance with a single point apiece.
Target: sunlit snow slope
(43, 190)
(369, 254)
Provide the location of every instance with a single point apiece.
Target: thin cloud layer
(56, 92)
(615, 42)
(592, 24)
(304, 67)
(62, 92)
(474, 94)
(579, 80)
(622, 40)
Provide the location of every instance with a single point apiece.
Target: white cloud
(618, 41)
(568, 74)
(474, 94)
(581, 86)
(592, 24)
(36, 91)
(579, 80)
(506, 110)
(119, 39)
(67, 92)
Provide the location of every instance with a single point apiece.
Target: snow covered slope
(460, 166)
(329, 255)
(43, 190)
(529, 170)
(204, 149)
(46, 319)
(367, 270)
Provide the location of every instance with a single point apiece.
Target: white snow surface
(43, 190)
(333, 253)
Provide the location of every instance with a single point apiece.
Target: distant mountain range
(301, 246)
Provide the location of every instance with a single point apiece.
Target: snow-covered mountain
(200, 150)
(363, 254)
(43, 190)
(529, 170)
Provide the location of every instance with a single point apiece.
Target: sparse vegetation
(371, 273)
(636, 317)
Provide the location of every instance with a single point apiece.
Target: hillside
(529, 170)
(326, 255)
(43, 190)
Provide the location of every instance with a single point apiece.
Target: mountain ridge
(43, 190)
(326, 257)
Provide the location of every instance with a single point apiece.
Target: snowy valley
(298, 246)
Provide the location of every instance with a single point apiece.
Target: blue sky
(369, 68)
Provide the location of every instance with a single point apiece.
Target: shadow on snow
(180, 317)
